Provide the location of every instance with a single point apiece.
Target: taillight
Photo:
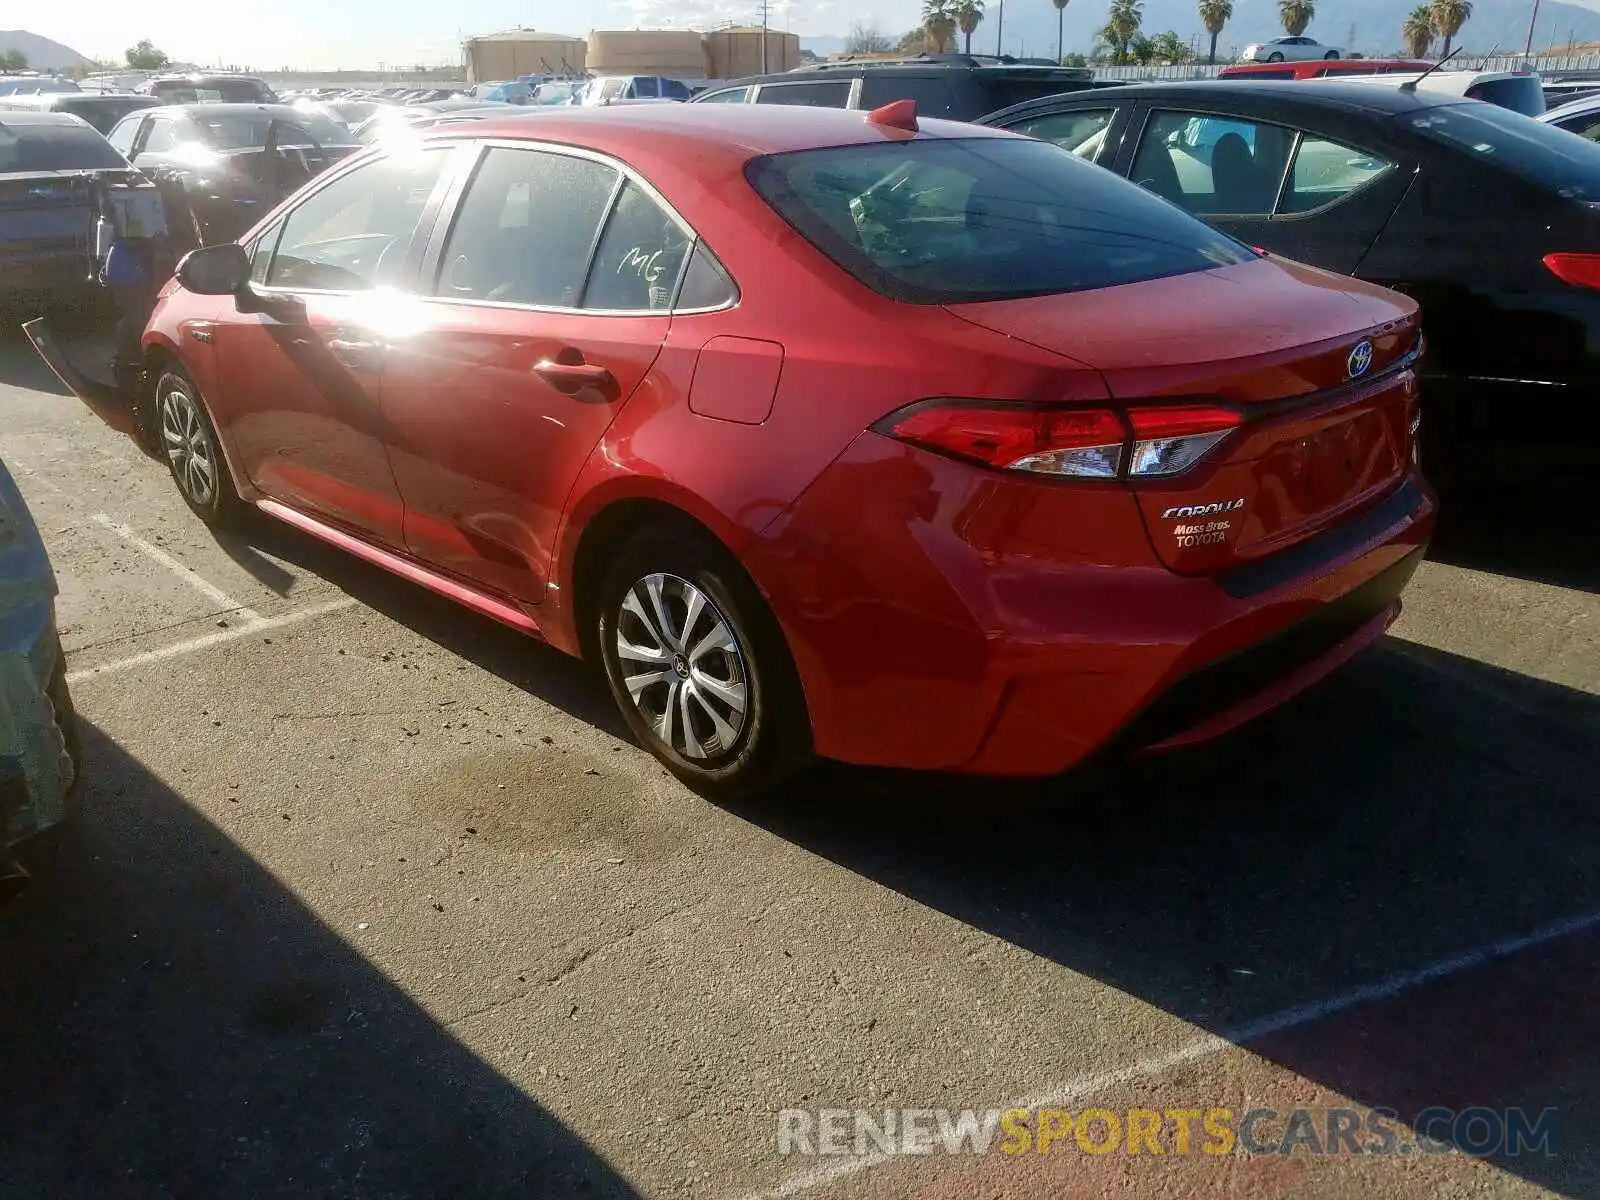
(1580, 270)
(1168, 441)
(1079, 443)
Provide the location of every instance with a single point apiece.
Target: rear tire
(1330, 55)
(1275, 56)
(698, 666)
(188, 441)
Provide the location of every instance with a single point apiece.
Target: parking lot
(372, 897)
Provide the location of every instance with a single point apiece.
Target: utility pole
(1532, 21)
(765, 9)
(1000, 31)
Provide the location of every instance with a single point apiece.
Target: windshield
(1542, 154)
(248, 131)
(58, 148)
(945, 222)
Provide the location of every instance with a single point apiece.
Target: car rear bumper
(973, 625)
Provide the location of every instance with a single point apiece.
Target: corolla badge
(1360, 359)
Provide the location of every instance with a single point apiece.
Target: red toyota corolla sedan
(825, 433)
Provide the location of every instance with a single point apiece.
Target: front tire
(698, 667)
(1331, 55)
(189, 443)
(1275, 56)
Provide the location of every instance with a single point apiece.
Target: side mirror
(215, 270)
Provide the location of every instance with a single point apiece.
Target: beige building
(735, 52)
(517, 52)
(674, 53)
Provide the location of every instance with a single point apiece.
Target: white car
(1517, 90)
(1289, 49)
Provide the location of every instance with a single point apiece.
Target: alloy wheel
(188, 446)
(683, 666)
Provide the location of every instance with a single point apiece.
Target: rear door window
(524, 230)
(825, 93)
(726, 96)
(946, 221)
(1325, 172)
(161, 135)
(1211, 164)
(122, 137)
(933, 95)
(1080, 131)
(639, 258)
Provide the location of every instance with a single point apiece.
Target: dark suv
(959, 87)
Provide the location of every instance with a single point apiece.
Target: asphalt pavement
(371, 897)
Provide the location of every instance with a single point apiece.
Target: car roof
(1571, 108)
(1329, 94)
(197, 76)
(22, 118)
(845, 68)
(286, 111)
(749, 130)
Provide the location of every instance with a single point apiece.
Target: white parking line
(1074, 1091)
(258, 624)
(157, 555)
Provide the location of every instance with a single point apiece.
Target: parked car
(1517, 90)
(39, 746)
(34, 85)
(560, 91)
(198, 88)
(610, 89)
(1289, 49)
(66, 199)
(655, 387)
(958, 86)
(99, 109)
(423, 116)
(221, 166)
(1581, 117)
(1323, 68)
(506, 91)
(1482, 215)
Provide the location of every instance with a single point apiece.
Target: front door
(551, 300)
(303, 376)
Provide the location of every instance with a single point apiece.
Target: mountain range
(1369, 26)
(42, 53)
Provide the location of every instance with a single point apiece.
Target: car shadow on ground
(177, 1023)
(1532, 526)
(1415, 806)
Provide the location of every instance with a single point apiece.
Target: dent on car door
(552, 294)
(1311, 196)
(301, 376)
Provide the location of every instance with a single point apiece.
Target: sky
(363, 33)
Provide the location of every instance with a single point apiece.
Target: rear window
(952, 221)
(60, 148)
(1522, 94)
(1542, 154)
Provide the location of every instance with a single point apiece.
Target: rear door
(550, 301)
(1319, 198)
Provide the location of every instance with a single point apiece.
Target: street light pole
(1527, 50)
(1000, 31)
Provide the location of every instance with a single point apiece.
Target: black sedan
(1486, 217)
(222, 166)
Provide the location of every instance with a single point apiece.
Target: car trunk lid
(1313, 368)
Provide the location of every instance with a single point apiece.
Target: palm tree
(1121, 27)
(1214, 14)
(1296, 15)
(1061, 12)
(939, 20)
(1448, 18)
(967, 14)
(1418, 30)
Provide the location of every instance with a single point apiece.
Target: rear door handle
(356, 353)
(574, 378)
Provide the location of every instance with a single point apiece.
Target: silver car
(1289, 49)
(38, 734)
